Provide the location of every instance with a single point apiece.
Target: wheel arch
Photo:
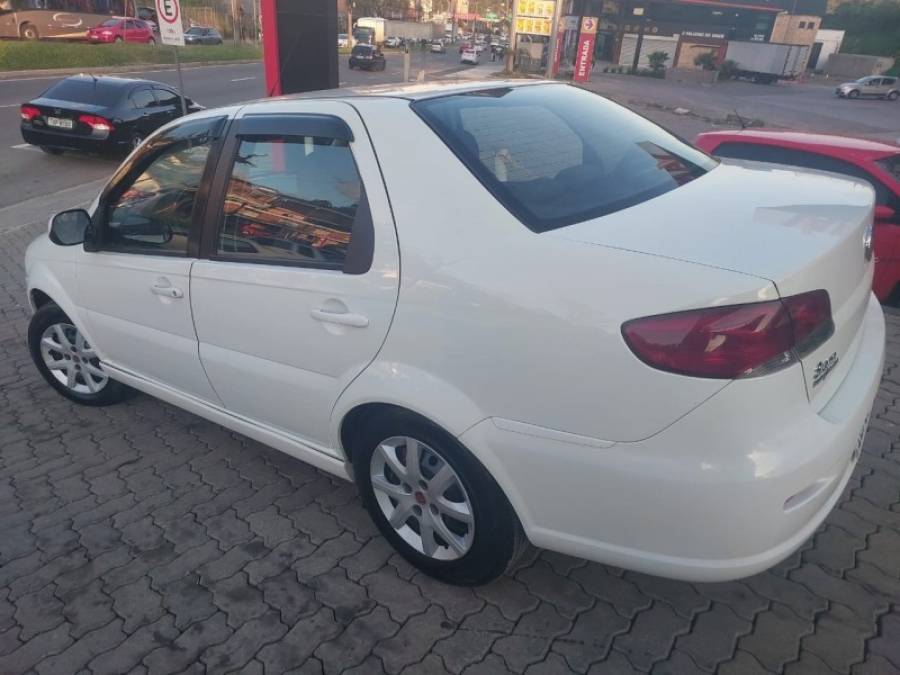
(44, 287)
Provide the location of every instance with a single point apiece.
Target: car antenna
(740, 119)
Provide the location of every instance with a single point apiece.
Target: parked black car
(369, 57)
(202, 35)
(90, 113)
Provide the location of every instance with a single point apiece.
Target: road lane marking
(10, 105)
(241, 79)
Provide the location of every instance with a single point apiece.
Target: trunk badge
(823, 368)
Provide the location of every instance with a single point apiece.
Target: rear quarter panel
(494, 320)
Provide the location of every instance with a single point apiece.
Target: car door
(302, 275)
(132, 32)
(134, 279)
(169, 104)
(145, 103)
(872, 87)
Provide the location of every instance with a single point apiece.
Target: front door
(303, 271)
(134, 279)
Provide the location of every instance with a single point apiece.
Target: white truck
(766, 62)
(370, 29)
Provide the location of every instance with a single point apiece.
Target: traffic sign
(170, 29)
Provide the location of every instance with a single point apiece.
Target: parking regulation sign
(170, 29)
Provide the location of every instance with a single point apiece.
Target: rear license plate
(60, 123)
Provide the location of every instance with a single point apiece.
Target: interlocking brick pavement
(139, 538)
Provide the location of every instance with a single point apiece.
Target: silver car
(878, 86)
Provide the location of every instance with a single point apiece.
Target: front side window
(154, 213)
(556, 154)
(167, 97)
(291, 199)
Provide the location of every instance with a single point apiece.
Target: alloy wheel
(422, 498)
(71, 360)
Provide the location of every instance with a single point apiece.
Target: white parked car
(343, 40)
(469, 55)
(613, 345)
(392, 41)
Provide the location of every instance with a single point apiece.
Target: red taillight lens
(733, 341)
(96, 122)
(29, 112)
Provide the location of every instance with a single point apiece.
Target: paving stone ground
(142, 539)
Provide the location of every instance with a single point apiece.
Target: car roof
(822, 142)
(417, 91)
(116, 81)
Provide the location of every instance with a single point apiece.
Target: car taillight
(29, 112)
(96, 122)
(733, 341)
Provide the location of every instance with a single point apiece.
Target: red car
(122, 30)
(872, 161)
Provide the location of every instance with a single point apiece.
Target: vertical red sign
(584, 55)
(560, 44)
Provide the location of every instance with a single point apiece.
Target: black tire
(853, 94)
(51, 151)
(351, 65)
(135, 140)
(152, 41)
(47, 316)
(893, 96)
(118, 39)
(29, 32)
(498, 539)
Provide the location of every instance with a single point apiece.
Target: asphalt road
(26, 172)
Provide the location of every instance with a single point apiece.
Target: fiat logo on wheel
(168, 10)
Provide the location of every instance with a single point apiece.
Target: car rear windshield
(86, 90)
(362, 49)
(555, 155)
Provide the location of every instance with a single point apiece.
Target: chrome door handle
(342, 318)
(167, 291)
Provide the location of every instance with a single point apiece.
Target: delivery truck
(369, 29)
(767, 62)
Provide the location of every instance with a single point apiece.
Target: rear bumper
(55, 139)
(727, 491)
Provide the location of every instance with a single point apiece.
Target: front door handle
(342, 318)
(167, 291)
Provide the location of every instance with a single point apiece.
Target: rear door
(299, 288)
(169, 103)
(145, 103)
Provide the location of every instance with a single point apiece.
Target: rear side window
(291, 199)
(554, 155)
(143, 98)
(98, 91)
(805, 160)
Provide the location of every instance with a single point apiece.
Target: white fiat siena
(509, 312)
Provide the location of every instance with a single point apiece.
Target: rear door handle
(342, 318)
(167, 291)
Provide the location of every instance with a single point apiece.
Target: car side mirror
(885, 214)
(69, 228)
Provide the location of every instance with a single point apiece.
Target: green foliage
(15, 55)
(706, 60)
(728, 69)
(657, 61)
(872, 27)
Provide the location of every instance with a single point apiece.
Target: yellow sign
(542, 9)
(529, 25)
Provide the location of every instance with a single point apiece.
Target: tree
(657, 61)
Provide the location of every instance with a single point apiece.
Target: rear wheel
(51, 151)
(29, 32)
(118, 38)
(434, 502)
(853, 94)
(67, 362)
(151, 41)
(136, 140)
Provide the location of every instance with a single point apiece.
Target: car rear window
(363, 49)
(555, 155)
(99, 92)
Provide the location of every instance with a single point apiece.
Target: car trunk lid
(801, 230)
(53, 111)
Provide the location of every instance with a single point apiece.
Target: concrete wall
(852, 66)
(831, 44)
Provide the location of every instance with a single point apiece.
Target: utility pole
(554, 38)
(350, 23)
(641, 12)
(234, 22)
(511, 52)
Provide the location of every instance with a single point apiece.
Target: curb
(135, 68)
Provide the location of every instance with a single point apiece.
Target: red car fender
(886, 247)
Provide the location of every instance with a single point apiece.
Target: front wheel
(434, 502)
(67, 362)
(853, 94)
(893, 96)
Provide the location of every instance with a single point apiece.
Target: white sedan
(612, 346)
(469, 55)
